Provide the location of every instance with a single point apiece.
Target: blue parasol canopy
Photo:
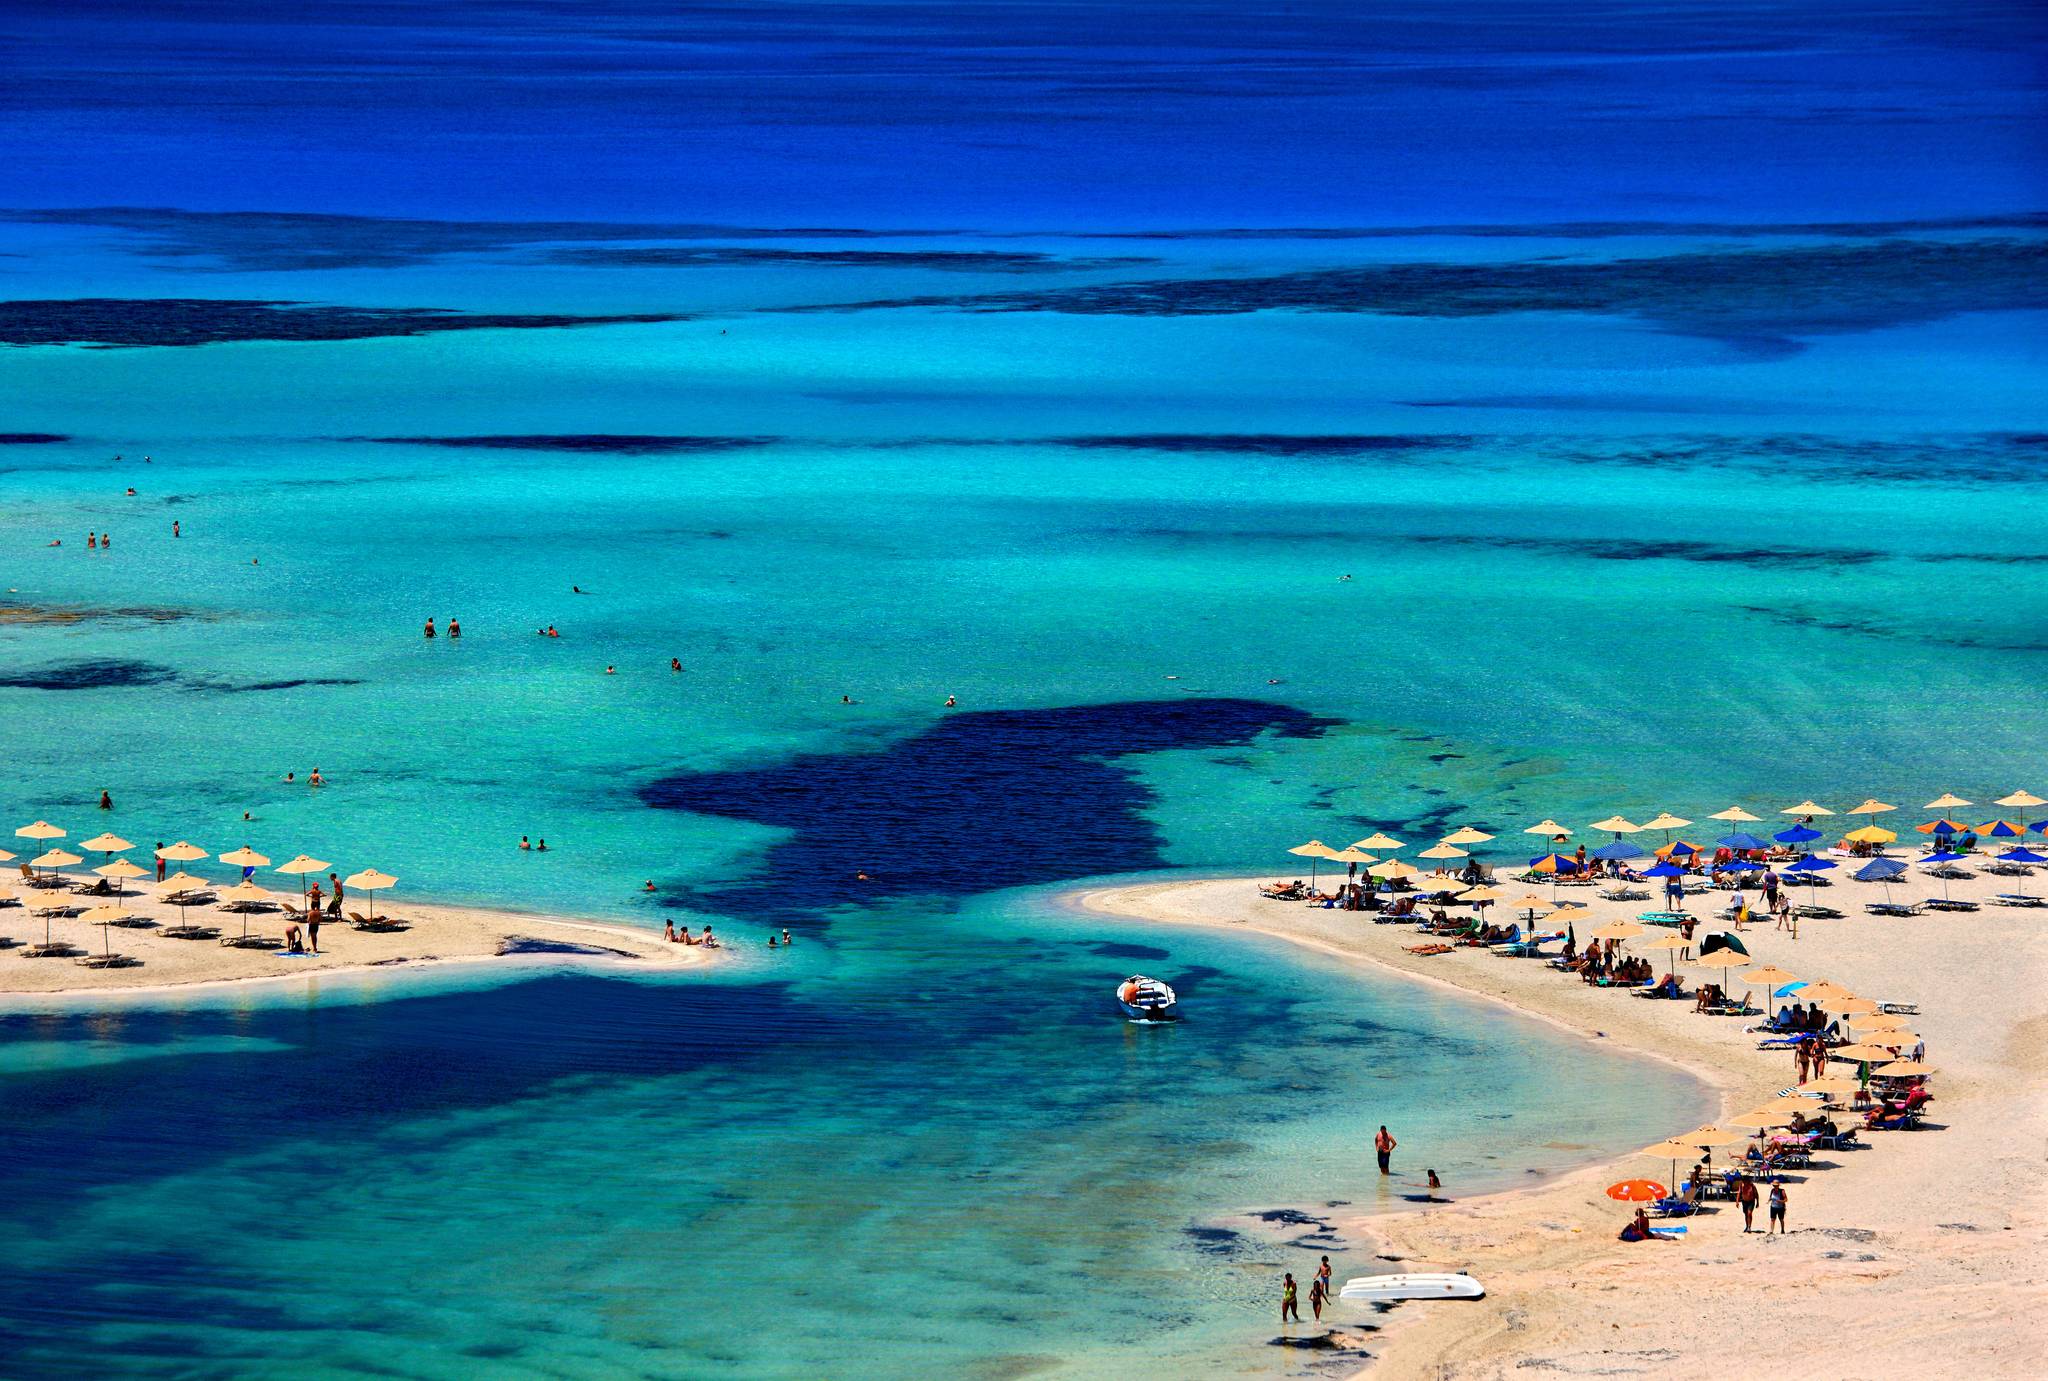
(2022, 856)
(1880, 870)
(1742, 841)
(1617, 851)
(1798, 834)
(1664, 870)
(1810, 864)
(1943, 857)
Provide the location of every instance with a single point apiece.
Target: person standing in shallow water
(1383, 1145)
(1287, 1301)
(1317, 1293)
(430, 628)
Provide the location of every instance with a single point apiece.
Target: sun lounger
(1664, 917)
(189, 932)
(381, 925)
(1949, 904)
(1674, 1208)
(1950, 871)
(2019, 899)
(1624, 893)
(1810, 912)
(58, 950)
(108, 961)
(2009, 870)
(249, 942)
(1892, 908)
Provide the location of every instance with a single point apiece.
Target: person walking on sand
(1799, 1057)
(1383, 1145)
(1777, 1222)
(1287, 1301)
(1745, 1199)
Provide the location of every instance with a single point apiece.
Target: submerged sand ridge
(1926, 1253)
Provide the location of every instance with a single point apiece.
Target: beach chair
(2019, 899)
(1811, 912)
(380, 926)
(1624, 892)
(108, 961)
(1674, 1207)
(1949, 904)
(1892, 908)
(58, 949)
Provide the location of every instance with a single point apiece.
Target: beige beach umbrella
(177, 885)
(1394, 868)
(2020, 798)
(122, 872)
(41, 829)
(1385, 843)
(1712, 1136)
(371, 881)
(1615, 824)
(105, 844)
(245, 857)
(1673, 1151)
(1618, 930)
(1735, 814)
(1851, 1006)
(1878, 1021)
(1313, 850)
(1350, 855)
(243, 893)
(1834, 1084)
(1669, 942)
(1465, 834)
(1771, 976)
(1823, 992)
(55, 858)
(1443, 851)
(1903, 1069)
(1761, 1119)
(6, 857)
(1948, 800)
(1667, 821)
(303, 864)
(105, 918)
(1549, 828)
(1873, 806)
(1866, 1051)
(1808, 807)
(181, 852)
(1531, 904)
(1725, 960)
(1477, 897)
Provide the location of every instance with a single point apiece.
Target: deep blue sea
(1265, 421)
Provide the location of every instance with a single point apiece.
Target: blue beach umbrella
(1798, 834)
(1881, 870)
(2039, 827)
(1669, 871)
(1810, 868)
(2022, 856)
(1941, 860)
(1743, 841)
(1617, 852)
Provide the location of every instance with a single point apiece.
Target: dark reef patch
(1261, 443)
(950, 260)
(244, 687)
(1757, 300)
(1663, 549)
(31, 438)
(100, 674)
(587, 442)
(180, 321)
(978, 802)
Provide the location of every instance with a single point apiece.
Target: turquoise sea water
(1667, 384)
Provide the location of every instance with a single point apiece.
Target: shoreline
(1563, 1293)
(438, 938)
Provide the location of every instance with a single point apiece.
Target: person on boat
(1287, 1302)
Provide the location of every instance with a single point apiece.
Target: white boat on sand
(1415, 1285)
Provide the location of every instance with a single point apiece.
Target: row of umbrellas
(121, 871)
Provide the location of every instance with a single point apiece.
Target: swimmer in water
(454, 628)
(131, 491)
(951, 702)
(675, 664)
(785, 935)
(174, 528)
(541, 847)
(649, 887)
(846, 700)
(92, 539)
(430, 627)
(611, 671)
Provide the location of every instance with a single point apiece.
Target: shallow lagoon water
(930, 1146)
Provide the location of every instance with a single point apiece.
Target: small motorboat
(1416, 1285)
(1146, 999)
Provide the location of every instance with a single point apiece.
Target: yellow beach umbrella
(1948, 800)
(1443, 851)
(1547, 827)
(244, 892)
(1903, 1069)
(1616, 824)
(181, 852)
(1669, 942)
(122, 872)
(1734, 813)
(371, 881)
(1806, 808)
(1873, 806)
(301, 866)
(1823, 992)
(1385, 843)
(1619, 930)
(2020, 799)
(1465, 834)
(41, 829)
(1870, 834)
(1351, 855)
(1851, 1006)
(1673, 1151)
(6, 857)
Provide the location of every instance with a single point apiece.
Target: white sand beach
(1924, 1254)
(432, 935)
